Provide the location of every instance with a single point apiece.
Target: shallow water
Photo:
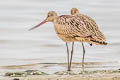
(19, 46)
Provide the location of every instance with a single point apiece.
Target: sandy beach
(71, 77)
(91, 72)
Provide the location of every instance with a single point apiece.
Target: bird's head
(50, 18)
(74, 11)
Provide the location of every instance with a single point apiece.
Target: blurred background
(19, 46)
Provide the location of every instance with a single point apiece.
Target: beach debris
(88, 72)
(35, 72)
(15, 74)
(25, 73)
(65, 73)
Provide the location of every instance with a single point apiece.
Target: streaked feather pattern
(68, 26)
(93, 28)
(78, 28)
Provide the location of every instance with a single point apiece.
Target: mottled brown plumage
(70, 29)
(97, 37)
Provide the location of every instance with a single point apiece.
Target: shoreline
(55, 71)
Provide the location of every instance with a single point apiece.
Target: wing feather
(72, 26)
(91, 26)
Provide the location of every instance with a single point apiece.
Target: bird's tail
(98, 39)
(98, 42)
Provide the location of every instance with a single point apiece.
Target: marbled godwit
(70, 29)
(91, 25)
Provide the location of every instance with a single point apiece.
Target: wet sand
(93, 71)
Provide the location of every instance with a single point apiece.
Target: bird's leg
(71, 54)
(83, 57)
(68, 56)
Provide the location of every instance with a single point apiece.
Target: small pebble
(16, 79)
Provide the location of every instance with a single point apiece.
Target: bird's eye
(50, 15)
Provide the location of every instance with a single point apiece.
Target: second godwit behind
(91, 25)
(70, 29)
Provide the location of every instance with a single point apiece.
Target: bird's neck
(55, 19)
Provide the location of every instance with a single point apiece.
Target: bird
(69, 28)
(93, 29)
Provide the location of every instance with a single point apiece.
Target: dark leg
(83, 57)
(71, 54)
(68, 56)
